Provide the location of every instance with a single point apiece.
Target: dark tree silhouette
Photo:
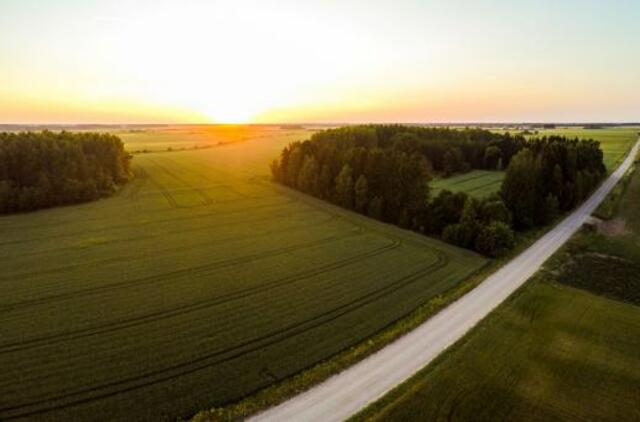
(384, 171)
(46, 169)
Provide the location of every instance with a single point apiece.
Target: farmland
(550, 353)
(198, 283)
(477, 183)
(615, 142)
(564, 347)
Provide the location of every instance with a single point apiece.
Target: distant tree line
(45, 169)
(383, 171)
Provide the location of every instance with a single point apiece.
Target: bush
(460, 234)
(495, 239)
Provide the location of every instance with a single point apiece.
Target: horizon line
(452, 123)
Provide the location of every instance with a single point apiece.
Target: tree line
(383, 171)
(551, 175)
(46, 169)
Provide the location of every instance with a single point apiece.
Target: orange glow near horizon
(240, 61)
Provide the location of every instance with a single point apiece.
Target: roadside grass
(610, 207)
(550, 352)
(608, 262)
(476, 183)
(563, 347)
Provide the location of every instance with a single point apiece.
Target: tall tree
(344, 187)
(308, 176)
(519, 188)
(361, 194)
(492, 157)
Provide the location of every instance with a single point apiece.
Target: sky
(325, 61)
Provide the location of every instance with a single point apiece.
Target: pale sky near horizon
(183, 61)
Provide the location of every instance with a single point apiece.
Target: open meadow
(564, 347)
(476, 183)
(198, 283)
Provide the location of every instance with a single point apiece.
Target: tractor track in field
(176, 231)
(476, 188)
(192, 307)
(227, 352)
(465, 180)
(206, 199)
(209, 214)
(164, 210)
(221, 356)
(132, 258)
(192, 271)
(204, 176)
(165, 193)
(135, 186)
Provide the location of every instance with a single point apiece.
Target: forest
(46, 169)
(383, 171)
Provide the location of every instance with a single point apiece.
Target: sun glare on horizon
(226, 114)
(278, 61)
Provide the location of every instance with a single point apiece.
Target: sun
(230, 111)
(230, 116)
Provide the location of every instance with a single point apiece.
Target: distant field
(477, 183)
(197, 284)
(615, 142)
(565, 347)
(194, 137)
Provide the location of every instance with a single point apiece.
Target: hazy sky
(64, 61)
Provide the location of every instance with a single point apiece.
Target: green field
(476, 183)
(564, 347)
(615, 142)
(199, 137)
(197, 284)
(549, 353)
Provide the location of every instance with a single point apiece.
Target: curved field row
(477, 183)
(188, 218)
(202, 175)
(206, 199)
(241, 294)
(188, 271)
(230, 353)
(131, 258)
(149, 312)
(132, 190)
(57, 222)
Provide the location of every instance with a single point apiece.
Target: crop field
(615, 142)
(198, 283)
(565, 347)
(550, 353)
(476, 183)
(199, 137)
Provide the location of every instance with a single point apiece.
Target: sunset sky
(109, 61)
